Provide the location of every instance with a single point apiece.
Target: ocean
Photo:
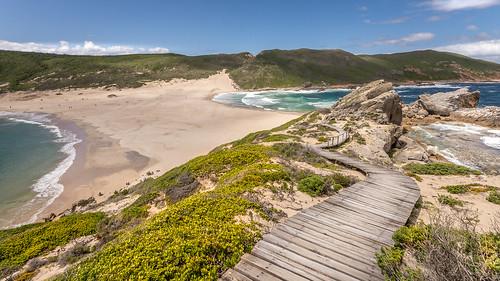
(307, 100)
(34, 154)
(463, 144)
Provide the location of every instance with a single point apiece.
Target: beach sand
(129, 132)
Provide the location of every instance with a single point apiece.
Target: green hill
(271, 68)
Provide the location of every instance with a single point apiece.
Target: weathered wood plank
(335, 239)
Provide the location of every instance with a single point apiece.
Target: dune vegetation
(20, 244)
(270, 68)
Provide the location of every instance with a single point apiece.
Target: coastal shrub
(279, 137)
(297, 152)
(389, 260)
(195, 238)
(463, 188)
(74, 254)
(214, 163)
(494, 197)
(450, 201)
(313, 185)
(415, 176)
(439, 168)
(413, 236)
(449, 248)
(18, 246)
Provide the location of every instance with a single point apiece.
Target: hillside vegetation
(271, 68)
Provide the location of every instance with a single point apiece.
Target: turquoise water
(34, 153)
(299, 101)
(307, 100)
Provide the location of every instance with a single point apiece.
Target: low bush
(463, 188)
(313, 185)
(449, 248)
(450, 201)
(494, 197)
(18, 246)
(279, 137)
(439, 168)
(74, 254)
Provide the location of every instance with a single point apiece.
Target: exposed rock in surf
(376, 100)
(486, 116)
(442, 104)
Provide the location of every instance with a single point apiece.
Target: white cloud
(472, 27)
(363, 8)
(453, 5)
(434, 18)
(389, 21)
(411, 38)
(87, 48)
(487, 49)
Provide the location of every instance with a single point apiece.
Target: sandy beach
(129, 132)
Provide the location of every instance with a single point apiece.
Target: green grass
(439, 168)
(450, 201)
(271, 68)
(20, 244)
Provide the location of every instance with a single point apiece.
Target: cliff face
(376, 101)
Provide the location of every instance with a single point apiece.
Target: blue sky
(471, 27)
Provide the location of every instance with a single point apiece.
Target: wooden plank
(255, 273)
(363, 218)
(340, 253)
(285, 262)
(233, 275)
(356, 240)
(349, 229)
(273, 268)
(349, 247)
(343, 270)
(335, 239)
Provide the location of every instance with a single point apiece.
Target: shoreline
(128, 132)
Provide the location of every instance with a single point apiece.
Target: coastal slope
(269, 68)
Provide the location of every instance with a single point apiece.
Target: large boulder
(376, 100)
(443, 104)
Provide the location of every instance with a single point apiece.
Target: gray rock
(443, 104)
(486, 116)
(376, 100)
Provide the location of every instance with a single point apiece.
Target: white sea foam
(490, 141)
(321, 104)
(438, 86)
(446, 153)
(48, 186)
(466, 128)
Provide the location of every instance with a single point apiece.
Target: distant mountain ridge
(270, 68)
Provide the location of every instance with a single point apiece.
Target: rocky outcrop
(442, 104)
(487, 116)
(376, 100)
(409, 150)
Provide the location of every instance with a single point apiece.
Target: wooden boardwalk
(338, 238)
